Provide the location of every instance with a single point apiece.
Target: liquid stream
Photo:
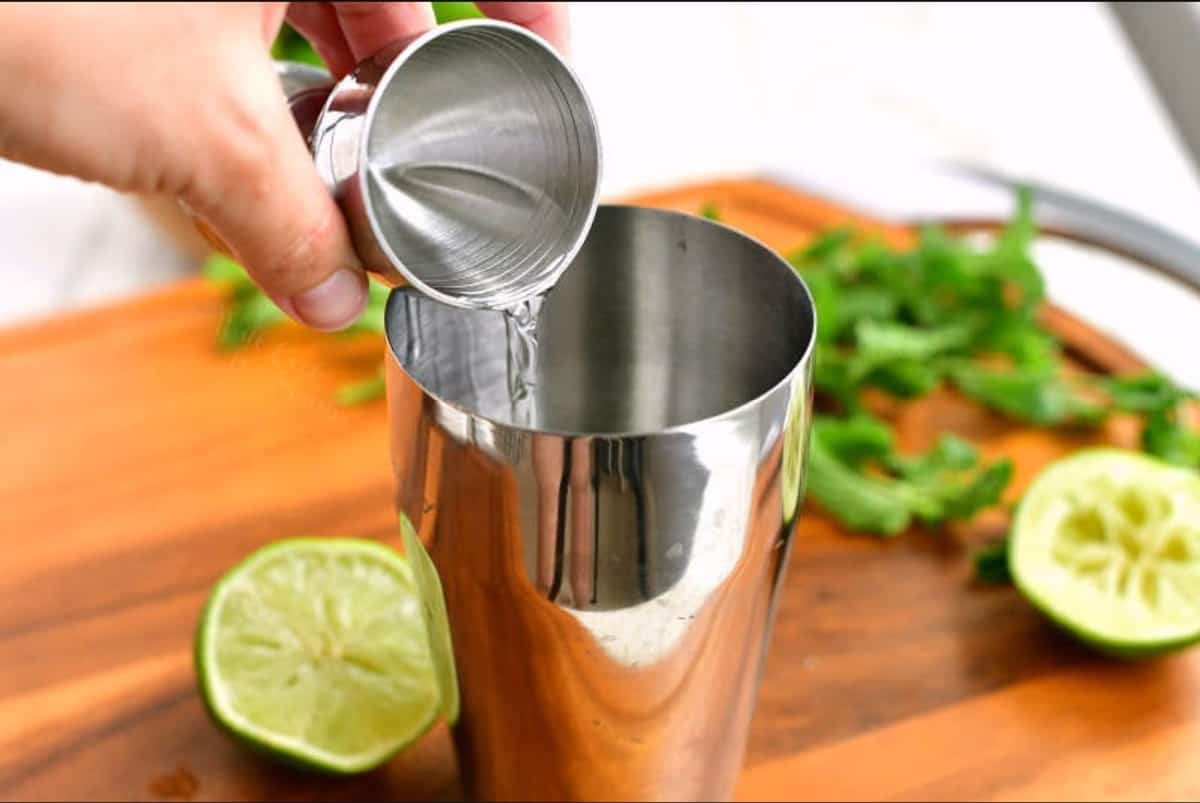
(520, 323)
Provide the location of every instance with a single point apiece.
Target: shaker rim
(801, 364)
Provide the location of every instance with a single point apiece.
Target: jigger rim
(799, 366)
(592, 203)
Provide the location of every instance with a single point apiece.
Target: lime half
(1107, 544)
(314, 650)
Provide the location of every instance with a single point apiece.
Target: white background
(1046, 90)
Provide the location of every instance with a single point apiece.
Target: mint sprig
(250, 313)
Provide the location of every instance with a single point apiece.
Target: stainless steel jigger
(469, 162)
(610, 565)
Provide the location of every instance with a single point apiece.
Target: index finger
(371, 27)
(547, 20)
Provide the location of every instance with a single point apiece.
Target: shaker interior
(663, 319)
(482, 164)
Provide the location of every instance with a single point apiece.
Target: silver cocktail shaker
(610, 563)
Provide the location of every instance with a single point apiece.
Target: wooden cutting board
(137, 465)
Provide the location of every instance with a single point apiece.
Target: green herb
(904, 322)
(824, 245)
(225, 270)
(905, 379)
(1145, 393)
(1166, 436)
(246, 319)
(857, 475)
(250, 312)
(1037, 395)
(946, 310)
(361, 392)
(1015, 335)
(982, 490)
(290, 45)
(855, 440)
(449, 12)
(899, 357)
(856, 500)
(951, 453)
(886, 341)
(991, 563)
(900, 321)
(710, 211)
(1160, 402)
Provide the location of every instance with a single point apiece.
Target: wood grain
(138, 464)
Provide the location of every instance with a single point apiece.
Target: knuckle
(244, 139)
(244, 153)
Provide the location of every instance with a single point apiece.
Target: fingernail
(334, 303)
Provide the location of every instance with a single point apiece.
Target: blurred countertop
(1047, 90)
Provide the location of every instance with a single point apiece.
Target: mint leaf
(1167, 438)
(859, 502)
(361, 392)
(1144, 393)
(1037, 395)
(858, 478)
(991, 563)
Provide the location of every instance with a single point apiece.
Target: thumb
(261, 196)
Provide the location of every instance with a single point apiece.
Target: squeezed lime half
(315, 651)
(1107, 544)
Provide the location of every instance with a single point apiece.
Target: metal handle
(1166, 39)
(306, 88)
(1105, 225)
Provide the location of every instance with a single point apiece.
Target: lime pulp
(1107, 544)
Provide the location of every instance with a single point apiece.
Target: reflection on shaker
(546, 456)
(565, 509)
(581, 501)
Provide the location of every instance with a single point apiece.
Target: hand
(182, 100)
